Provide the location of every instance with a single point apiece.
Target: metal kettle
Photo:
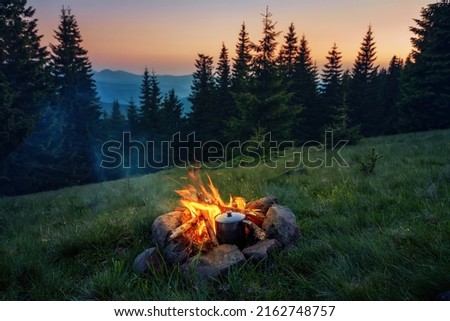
(230, 228)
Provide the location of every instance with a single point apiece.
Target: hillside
(379, 236)
(123, 85)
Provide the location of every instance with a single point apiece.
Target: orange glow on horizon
(167, 36)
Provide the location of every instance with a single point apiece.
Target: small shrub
(367, 162)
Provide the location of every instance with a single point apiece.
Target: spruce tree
(389, 95)
(225, 104)
(242, 61)
(76, 98)
(240, 80)
(341, 126)
(203, 117)
(264, 107)
(363, 92)
(288, 54)
(117, 121)
(171, 113)
(223, 70)
(155, 99)
(132, 117)
(145, 100)
(425, 89)
(12, 120)
(305, 93)
(264, 61)
(331, 84)
(150, 103)
(24, 78)
(331, 88)
(114, 126)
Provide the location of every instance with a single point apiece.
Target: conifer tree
(332, 77)
(241, 77)
(132, 116)
(265, 106)
(76, 98)
(242, 61)
(389, 95)
(288, 54)
(223, 70)
(171, 113)
(12, 120)
(203, 118)
(305, 93)
(24, 77)
(150, 100)
(225, 105)
(425, 89)
(264, 61)
(155, 99)
(117, 121)
(341, 127)
(362, 97)
(114, 126)
(145, 99)
(331, 87)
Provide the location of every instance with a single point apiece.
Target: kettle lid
(229, 217)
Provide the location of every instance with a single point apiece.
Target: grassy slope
(384, 236)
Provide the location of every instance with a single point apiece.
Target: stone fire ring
(279, 224)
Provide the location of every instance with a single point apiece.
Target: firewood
(181, 209)
(259, 232)
(210, 230)
(183, 228)
(255, 216)
(262, 204)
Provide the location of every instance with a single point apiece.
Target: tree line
(277, 87)
(52, 126)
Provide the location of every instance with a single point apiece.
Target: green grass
(379, 236)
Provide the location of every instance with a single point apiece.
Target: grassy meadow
(378, 236)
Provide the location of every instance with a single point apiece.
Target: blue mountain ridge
(123, 86)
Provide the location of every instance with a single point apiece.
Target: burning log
(181, 209)
(259, 232)
(254, 216)
(210, 230)
(262, 205)
(183, 228)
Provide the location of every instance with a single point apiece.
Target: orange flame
(205, 201)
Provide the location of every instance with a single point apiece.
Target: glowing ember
(205, 203)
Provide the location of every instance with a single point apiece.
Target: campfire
(203, 205)
(208, 236)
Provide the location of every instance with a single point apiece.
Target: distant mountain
(122, 85)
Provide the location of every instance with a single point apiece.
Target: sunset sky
(167, 35)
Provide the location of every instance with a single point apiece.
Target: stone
(176, 251)
(213, 264)
(260, 250)
(148, 259)
(280, 223)
(163, 226)
(262, 204)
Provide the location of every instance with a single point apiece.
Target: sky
(167, 35)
